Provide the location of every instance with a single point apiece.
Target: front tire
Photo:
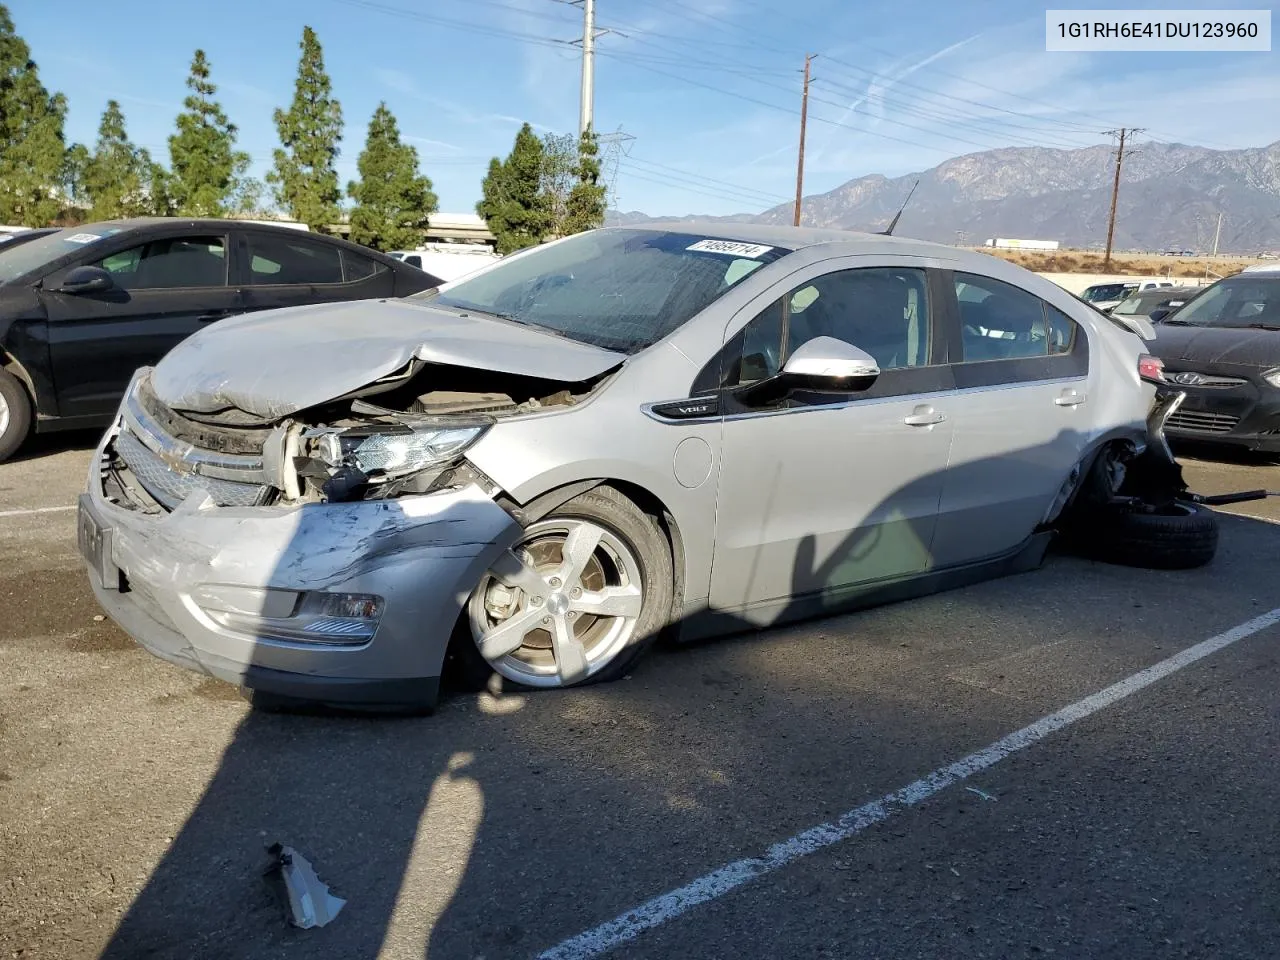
(15, 415)
(578, 599)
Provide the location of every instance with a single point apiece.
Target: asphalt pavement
(671, 814)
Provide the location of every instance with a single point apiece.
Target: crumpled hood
(1245, 347)
(275, 363)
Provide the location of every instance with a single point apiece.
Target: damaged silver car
(685, 429)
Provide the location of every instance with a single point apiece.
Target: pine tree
(119, 177)
(305, 181)
(514, 204)
(34, 163)
(559, 174)
(207, 170)
(584, 210)
(393, 201)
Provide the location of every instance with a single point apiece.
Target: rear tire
(631, 550)
(15, 415)
(1179, 537)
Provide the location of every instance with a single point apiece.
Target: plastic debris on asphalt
(309, 901)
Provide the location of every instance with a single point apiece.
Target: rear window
(281, 260)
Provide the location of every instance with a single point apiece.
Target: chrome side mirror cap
(828, 363)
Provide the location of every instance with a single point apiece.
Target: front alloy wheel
(560, 606)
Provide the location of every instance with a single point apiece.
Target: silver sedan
(682, 429)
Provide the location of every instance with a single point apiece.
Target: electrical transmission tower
(613, 147)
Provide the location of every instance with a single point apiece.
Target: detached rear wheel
(1179, 536)
(578, 599)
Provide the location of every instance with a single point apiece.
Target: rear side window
(283, 260)
(168, 263)
(356, 268)
(999, 321)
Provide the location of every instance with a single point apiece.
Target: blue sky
(709, 89)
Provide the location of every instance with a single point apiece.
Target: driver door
(166, 288)
(819, 494)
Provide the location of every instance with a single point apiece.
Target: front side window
(169, 263)
(1237, 302)
(276, 260)
(999, 321)
(621, 289)
(882, 310)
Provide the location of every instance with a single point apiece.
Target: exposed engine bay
(403, 434)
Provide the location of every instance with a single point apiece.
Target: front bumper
(422, 555)
(1244, 414)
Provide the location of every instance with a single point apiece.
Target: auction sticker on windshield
(83, 238)
(730, 247)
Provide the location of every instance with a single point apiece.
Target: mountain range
(1171, 196)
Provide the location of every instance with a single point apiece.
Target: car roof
(797, 238)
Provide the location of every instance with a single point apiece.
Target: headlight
(1272, 376)
(391, 451)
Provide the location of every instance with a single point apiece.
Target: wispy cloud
(432, 143)
(404, 84)
(880, 85)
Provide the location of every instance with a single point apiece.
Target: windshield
(1244, 301)
(1105, 291)
(19, 260)
(618, 289)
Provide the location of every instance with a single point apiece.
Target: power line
(834, 103)
(724, 191)
(686, 188)
(772, 198)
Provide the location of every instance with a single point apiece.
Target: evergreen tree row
(545, 188)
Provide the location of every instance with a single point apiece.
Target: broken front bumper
(242, 593)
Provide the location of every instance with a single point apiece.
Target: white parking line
(716, 884)
(26, 513)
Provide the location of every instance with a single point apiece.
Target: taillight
(1151, 368)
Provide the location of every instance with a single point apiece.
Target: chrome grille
(170, 487)
(1201, 421)
(1189, 378)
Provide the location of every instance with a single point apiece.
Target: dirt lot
(1077, 261)
(136, 800)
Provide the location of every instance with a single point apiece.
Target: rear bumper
(421, 555)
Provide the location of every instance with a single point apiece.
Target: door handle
(1069, 398)
(923, 416)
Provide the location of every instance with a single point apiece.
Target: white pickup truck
(1104, 296)
(448, 261)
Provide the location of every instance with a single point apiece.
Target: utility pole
(1115, 192)
(1216, 234)
(804, 116)
(586, 114)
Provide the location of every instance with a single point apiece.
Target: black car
(8, 240)
(1223, 349)
(81, 308)
(1145, 302)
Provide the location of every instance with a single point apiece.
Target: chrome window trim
(648, 408)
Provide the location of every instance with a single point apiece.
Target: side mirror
(1158, 314)
(828, 365)
(86, 280)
